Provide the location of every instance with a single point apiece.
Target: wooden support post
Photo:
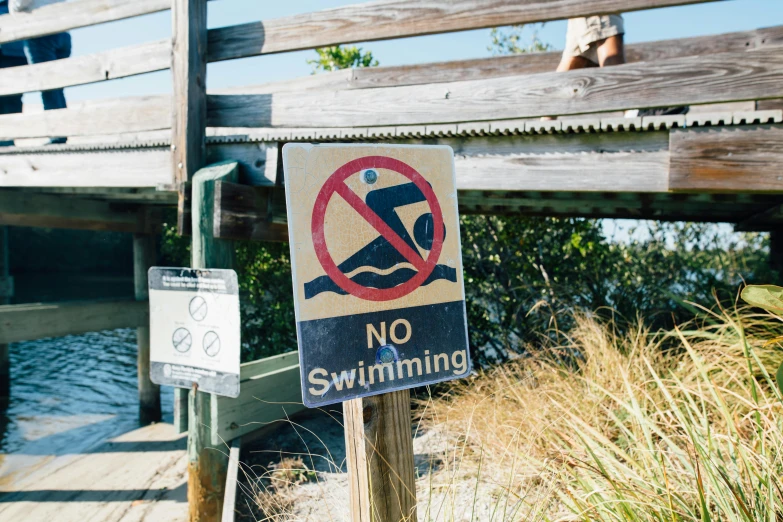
(379, 453)
(149, 392)
(189, 81)
(207, 463)
(6, 291)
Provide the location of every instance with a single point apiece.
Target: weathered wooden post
(6, 291)
(144, 250)
(379, 457)
(207, 464)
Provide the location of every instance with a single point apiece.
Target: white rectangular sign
(194, 329)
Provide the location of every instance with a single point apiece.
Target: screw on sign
(377, 267)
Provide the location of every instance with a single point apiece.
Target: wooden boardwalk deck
(137, 477)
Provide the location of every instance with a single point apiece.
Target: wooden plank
(267, 398)
(254, 369)
(132, 114)
(126, 168)
(80, 70)
(207, 463)
(144, 257)
(244, 212)
(379, 458)
(189, 104)
(136, 476)
(52, 211)
(741, 159)
(232, 477)
(155, 56)
(679, 81)
(531, 63)
(37, 321)
(60, 17)
(386, 19)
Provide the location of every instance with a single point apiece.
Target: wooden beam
(386, 19)
(60, 17)
(189, 109)
(532, 63)
(247, 213)
(679, 81)
(80, 70)
(765, 221)
(132, 114)
(737, 159)
(207, 463)
(52, 211)
(379, 458)
(27, 322)
(144, 257)
(264, 399)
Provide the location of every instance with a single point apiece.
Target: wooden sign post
(379, 300)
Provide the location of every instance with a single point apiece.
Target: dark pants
(46, 49)
(12, 103)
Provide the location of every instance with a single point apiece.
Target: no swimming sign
(377, 268)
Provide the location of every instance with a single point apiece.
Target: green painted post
(207, 464)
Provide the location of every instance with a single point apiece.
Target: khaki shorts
(582, 33)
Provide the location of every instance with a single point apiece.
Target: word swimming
(411, 368)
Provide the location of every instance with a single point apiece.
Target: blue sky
(675, 22)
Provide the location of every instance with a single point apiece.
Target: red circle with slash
(335, 184)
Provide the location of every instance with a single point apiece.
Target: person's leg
(570, 63)
(611, 51)
(46, 49)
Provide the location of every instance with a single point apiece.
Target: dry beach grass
(684, 425)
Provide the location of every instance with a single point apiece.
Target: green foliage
(339, 57)
(768, 297)
(521, 272)
(508, 41)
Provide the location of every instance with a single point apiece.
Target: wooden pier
(128, 160)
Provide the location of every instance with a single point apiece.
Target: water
(69, 393)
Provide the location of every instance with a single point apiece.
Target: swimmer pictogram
(394, 247)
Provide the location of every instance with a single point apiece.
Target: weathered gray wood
(155, 56)
(27, 322)
(232, 476)
(80, 70)
(132, 114)
(189, 104)
(65, 16)
(6, 292)
(145, 168)
(398, 18)
(742, 159)
(263, 399)
(53, 211)
(379, 458)
(206, 465)
(144, 256)
(531, 63)
(678, 81)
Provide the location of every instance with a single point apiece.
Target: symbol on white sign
(198, 308)
(211, 343)
(182, 340)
